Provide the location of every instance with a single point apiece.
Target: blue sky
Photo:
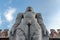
(50, 10)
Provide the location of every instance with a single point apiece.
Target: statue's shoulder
(38, 14)
(19, 14)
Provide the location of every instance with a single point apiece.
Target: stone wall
(54, 33)
(4, 34)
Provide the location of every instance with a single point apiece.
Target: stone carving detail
(29, 26)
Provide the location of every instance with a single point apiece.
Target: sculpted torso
(35, 29)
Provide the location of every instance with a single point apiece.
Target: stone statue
(29, 26)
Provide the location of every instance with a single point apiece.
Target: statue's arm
(40, 22)
(18, 21)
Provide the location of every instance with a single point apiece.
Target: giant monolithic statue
(29, 26)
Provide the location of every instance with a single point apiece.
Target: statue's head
(29, 9)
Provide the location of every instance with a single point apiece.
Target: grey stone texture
(29, 26)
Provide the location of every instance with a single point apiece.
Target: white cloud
(9, 13)
(9, 26)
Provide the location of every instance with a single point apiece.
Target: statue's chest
(29, 15)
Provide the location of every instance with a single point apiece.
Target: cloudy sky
(50, 10)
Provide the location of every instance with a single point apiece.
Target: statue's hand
(12, 32)
(45, 33)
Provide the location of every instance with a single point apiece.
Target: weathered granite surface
(29, 26)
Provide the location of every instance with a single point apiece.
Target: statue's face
(29, 9)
